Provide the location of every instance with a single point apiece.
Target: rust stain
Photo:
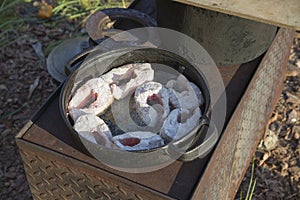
(235, 149)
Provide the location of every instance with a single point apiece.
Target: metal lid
(61, 54)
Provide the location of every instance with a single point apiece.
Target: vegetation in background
(9, 22)
(83, 8)
(48, 12)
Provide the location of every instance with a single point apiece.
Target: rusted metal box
(56, 169)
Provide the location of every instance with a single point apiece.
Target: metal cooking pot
(187, 148)
(228, 39)
(125, 19)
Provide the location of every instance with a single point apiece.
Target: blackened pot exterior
(94, 67)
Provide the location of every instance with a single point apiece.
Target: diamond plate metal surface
(50, 179)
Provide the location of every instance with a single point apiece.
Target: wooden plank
(282, 13)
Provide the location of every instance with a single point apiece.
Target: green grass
(76, 11)
(80, 10)
(83, 8)
(9, 22)
(6, 5)
(251, 185)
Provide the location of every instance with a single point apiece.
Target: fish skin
(174, 130)
(94, 129)
(75, 113)
(148, 140)
(115, 74)
(152, 115)
(96, 92)
(125, 79)
(184, 94)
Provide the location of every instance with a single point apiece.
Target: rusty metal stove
(56, 169)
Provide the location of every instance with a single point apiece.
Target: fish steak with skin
(185, 99)
(152, 103)
(184, 94)
(125, 79)
(179, 123)
(94, 129)
(94, 97)
(147, 114)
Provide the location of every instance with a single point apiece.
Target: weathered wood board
(282, 13)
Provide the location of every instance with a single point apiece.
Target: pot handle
(96, 21)
(74, 62)
(202, 149)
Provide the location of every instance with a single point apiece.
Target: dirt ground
(25, 84)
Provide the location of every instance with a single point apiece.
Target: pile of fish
(158, 113)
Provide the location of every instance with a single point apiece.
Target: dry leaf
(33, 87)
(37, 46)
(265, 157)
(45, 10)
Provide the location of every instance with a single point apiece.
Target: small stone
(270, 140)
(292, 117)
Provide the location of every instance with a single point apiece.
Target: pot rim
(194, 133)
